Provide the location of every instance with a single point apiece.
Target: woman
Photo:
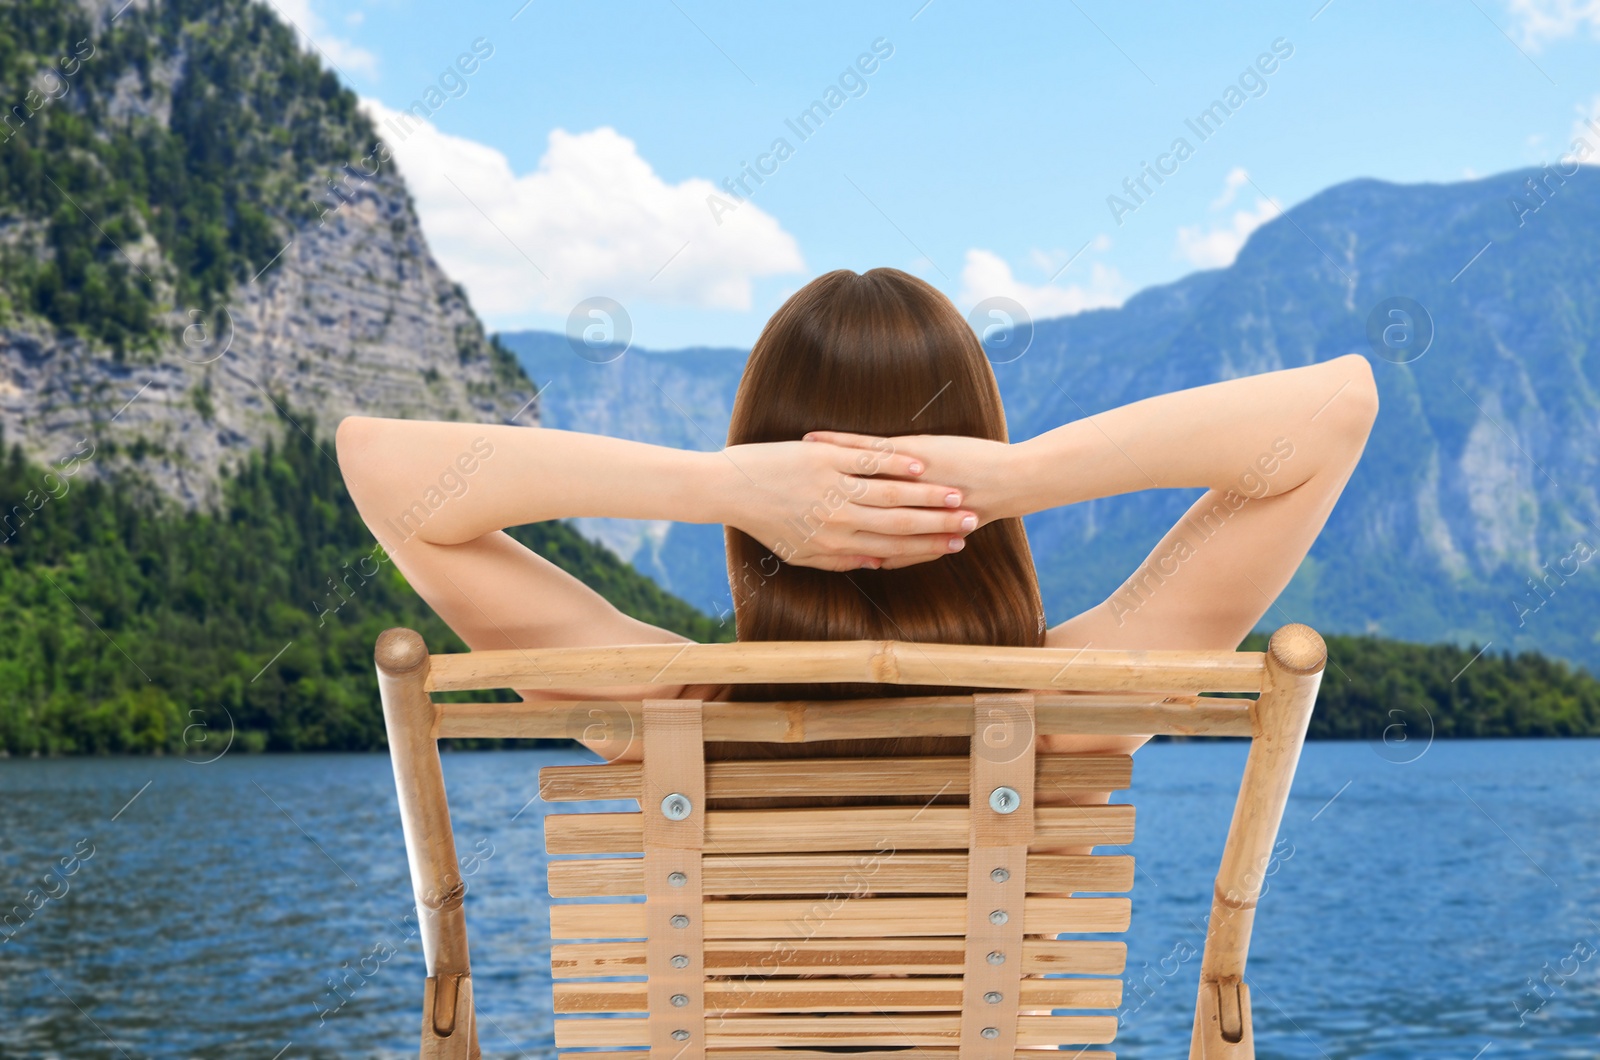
(869, 491)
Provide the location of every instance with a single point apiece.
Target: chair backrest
(925, 929)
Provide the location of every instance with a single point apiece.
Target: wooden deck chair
(904, 932)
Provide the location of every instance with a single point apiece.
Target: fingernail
(956, 544)
(808, 436)
(953, 500)
(915, 468)
(969, 523)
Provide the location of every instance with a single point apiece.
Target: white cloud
(1546, 20)
(1586, 128)
(1216, 246)
(1237, 178)
(1044, 260)
(987, 275)
(314, 34)
(593, 218)
(1052, 261)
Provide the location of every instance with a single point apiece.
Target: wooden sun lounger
(908, 932)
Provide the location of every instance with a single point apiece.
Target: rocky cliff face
(356, 317)
(335, 306)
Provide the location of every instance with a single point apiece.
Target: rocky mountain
(200, 233)
(206, 259)
(1474, 516)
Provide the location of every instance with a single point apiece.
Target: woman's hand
(982, 471)
(843, 507)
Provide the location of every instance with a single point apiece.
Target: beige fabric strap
(673, 800)
(1002, 761)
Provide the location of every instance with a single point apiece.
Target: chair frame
(1101, 692)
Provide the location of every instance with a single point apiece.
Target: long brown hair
(881, 353)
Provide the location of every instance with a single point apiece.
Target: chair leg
(467, 1010)
(449, 1022)
(1222, 1026)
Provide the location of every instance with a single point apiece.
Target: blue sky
(577, 156)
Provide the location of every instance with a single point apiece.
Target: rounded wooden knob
(400, 650)
(1298, 649)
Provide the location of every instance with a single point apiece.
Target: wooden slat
(836, 995)
(839, 874)
(919, 956)
(782, 778)
(924, 1052)
(902, 662)
(801, 722)
(883, 829)
(778, 919)
(755, 1031)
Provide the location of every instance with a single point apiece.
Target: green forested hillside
(1389, 690)
(126, 621)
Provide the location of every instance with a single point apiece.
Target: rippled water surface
(1443, 907)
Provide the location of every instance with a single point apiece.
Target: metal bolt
(677, 879)
(679, 1000)
(676, 807)
(680, 1035)
(990, 1032)
(1000, 875)
(992, 997)
(1004, 800)
(680, 921)
(680, 960)
(998, 917)
(996, 957)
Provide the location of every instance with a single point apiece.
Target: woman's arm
(1234, 435)
(459, 481)
(1274, 451)
(449, 483)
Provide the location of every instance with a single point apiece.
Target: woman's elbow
(1357, 397)
(349, 435)
(1366, 382)
(353, 444)
(353, 440)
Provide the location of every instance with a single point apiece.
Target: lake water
(1414, 910)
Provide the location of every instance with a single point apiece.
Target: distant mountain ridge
(1475, 513)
